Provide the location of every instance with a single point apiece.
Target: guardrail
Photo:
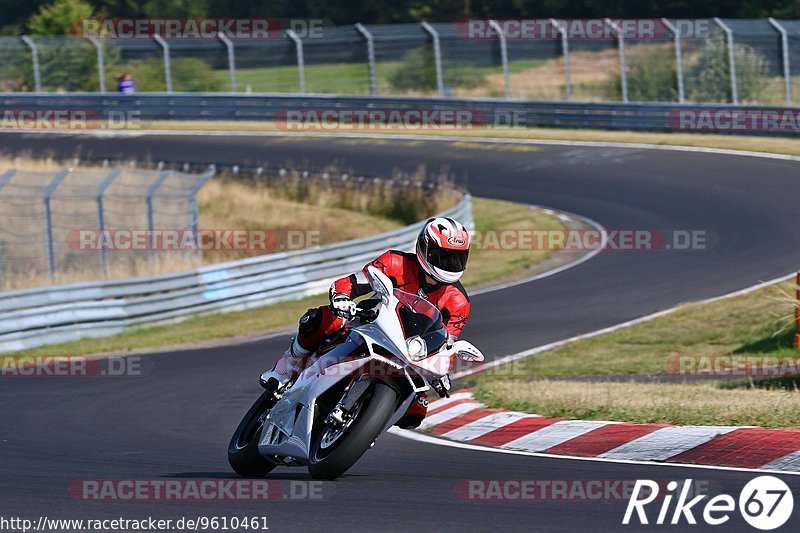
(54, 314)
(134, 110)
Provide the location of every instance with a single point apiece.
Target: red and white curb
(464, 419)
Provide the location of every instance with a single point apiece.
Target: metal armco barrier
(134, 110)
(54, 314)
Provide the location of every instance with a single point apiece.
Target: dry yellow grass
(695, 404)
(547, 81)
(231, 204)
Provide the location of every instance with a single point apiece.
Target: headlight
(417, 349)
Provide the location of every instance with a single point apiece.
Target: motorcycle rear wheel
(331, 454)
(243, 453)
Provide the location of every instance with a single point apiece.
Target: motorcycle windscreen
(419, 317)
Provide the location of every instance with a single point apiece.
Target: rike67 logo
(765, 503)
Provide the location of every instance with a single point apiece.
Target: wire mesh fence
(697, 60)
(69, 220)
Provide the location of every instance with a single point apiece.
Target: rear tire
(334, 461)
(243, 453)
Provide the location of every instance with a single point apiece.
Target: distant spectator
(125, 84)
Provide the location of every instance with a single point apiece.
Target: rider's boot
(286, 368)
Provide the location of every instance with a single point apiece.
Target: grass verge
(484, 265)
(749, 324)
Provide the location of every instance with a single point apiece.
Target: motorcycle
(353, 389)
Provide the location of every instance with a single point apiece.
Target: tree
(65, 64)
(60, 17)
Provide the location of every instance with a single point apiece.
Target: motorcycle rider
(433, 273)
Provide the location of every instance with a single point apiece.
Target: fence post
(48, 219)
(167, 69)
(301, 62)
(194, 214)
(101, 219)
(437, 56)
(787, 74)
(503, 55)
(37, 79)
(101, 69)
(623, 67)
(564, 52)
(373, 85)
(731, 59)
(231, 58)
(676, 32)
(151, 190)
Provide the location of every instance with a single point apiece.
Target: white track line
(420, 437)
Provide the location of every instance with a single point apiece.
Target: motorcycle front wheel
(336, 448)
(243, 453)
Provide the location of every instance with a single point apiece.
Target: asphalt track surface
(175, 420)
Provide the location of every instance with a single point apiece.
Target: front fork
(354, 390)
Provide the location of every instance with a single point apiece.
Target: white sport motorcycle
(353, 390)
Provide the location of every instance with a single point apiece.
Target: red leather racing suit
(407, 275)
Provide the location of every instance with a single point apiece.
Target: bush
(652, 76)
(417, 72)
(710, 75)
(406, 198)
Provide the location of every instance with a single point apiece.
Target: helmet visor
(447, 260)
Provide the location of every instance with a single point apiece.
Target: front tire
(243, 453)
(331, 456)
